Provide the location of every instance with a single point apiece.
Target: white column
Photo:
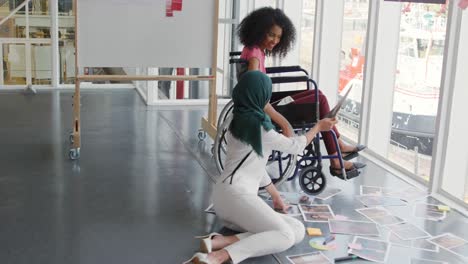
(328, 45)
(54, 27)
(379, 79)
(450, 172)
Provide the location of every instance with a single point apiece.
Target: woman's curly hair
(255, 26)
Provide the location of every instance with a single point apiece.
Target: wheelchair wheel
(225, 113)
(280, 166)
(312, 180)
(308, 152)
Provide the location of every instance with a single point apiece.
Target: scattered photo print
(316, 212)
(349, 227)
(371, 249)
(373, 201)
(426, 261)
(452, 243)
(408, 231)
(429, 212)
(309, 258)
(380, 216)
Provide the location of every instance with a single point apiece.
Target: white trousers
(265, 231)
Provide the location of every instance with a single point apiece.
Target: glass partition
(417, 84)
(352, 65)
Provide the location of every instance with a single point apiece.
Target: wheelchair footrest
(349, 174)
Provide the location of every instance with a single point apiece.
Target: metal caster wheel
(312, 181)
(308, 152)
(71, 138)
(74, 154)
(201, 135)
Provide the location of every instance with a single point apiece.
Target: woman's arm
(279, 119)
(254, 64)
(278, 202)
(295, 145)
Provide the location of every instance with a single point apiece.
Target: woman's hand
(326, 124)
(280, 205)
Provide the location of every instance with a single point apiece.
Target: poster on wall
(420, 1)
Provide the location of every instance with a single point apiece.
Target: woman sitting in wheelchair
(268, 31)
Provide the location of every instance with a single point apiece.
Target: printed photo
(358, 228)
(373, 201)
(309, 258)
(371, 249)
(428, 211)
(407, 231)
(448, 241)
(316, 212)
(426, 261)
(380, 216)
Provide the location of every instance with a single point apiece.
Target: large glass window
(306, 41)
(352, 65)
(66, 34)
(14, 64)
(417, 83)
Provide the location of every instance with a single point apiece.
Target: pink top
(254, 52)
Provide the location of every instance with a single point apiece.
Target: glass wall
(417, 84)
(26, 44)
(14, 64)
(66, 35)
(306, 41)
(352, 65)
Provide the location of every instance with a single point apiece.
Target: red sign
(173, 5)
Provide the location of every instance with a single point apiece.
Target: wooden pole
(210, 125)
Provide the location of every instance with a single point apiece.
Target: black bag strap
(238, 166)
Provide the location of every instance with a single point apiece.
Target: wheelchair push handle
(289, 79)
(280, 69)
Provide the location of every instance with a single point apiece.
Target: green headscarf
(250, 95)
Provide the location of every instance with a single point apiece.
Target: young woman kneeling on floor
(235, 198)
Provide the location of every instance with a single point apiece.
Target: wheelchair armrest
(289, 79)
(234, 53)
(232, 61)
(281, 69)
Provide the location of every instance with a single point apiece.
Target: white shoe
(205, 243)
(198, 258)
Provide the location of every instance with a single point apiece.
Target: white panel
(137, 33)
(383, 77)
(455, 172)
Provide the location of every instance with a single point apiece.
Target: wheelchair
(282, 166)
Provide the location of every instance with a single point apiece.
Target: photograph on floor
(408, 231)
(420, 244)
(373, 201)
(370, 249)
(426, 261)
(429, 211)
(309, 258)
(380, 216)
(316, 212)
(452, 243)
(350, 227)
(328, 193)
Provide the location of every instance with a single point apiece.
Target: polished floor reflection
(138, 192)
